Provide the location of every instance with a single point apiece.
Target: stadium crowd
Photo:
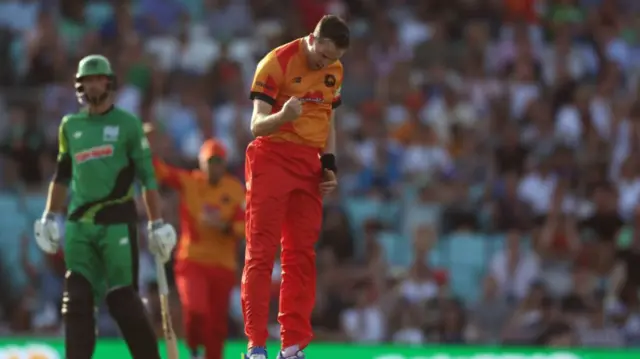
(488, 187)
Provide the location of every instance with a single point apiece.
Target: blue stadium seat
(495, 242)
(360, 210)
(419, 215)
(17, 51)
(467, 259)
(410, 195)
(8, 204)
(397, 248)
(12, 221)
(97, 13)
(35, 205)
(13, 225)
(390, 214)
(438, 256)
(404, 251)
(388, 244)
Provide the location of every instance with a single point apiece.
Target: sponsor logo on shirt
(94, 153)
(264, 85)
(111, 133)
(329, 80)
(314, 97)
(144, 143)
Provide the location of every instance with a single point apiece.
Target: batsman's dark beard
(96, 100)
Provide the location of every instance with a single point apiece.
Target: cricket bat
(167, 325)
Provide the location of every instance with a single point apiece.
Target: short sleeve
(267, 80)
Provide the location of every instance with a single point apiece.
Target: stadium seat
(390, 214)
(35, 205)
(13, 225)
(495, 242)
(18, 55)
(397, 252)
(404, 251)
(467, 256)
(409, 195)
(12, 222)
(8, 204)
(388, 244)
(360, 210)
(419, 215)
(98, 13)
(437, 256)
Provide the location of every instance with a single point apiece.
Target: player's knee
(123, 302)
(263, 255)
(78, 295)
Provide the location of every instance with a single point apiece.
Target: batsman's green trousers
(106, 255)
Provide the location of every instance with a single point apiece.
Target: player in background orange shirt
(211, 222)
(289, 166)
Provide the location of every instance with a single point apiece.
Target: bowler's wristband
(328, 161)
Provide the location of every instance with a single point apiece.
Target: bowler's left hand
(329, 182)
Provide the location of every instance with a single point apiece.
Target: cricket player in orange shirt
(211, 223)
(289, 167)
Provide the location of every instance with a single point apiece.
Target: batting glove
(162, 240)
(47, 232)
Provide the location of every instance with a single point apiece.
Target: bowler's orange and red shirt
(283, 73)
(200, 242)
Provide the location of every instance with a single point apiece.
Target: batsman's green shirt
(107, 152)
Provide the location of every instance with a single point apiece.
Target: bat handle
(163, 287)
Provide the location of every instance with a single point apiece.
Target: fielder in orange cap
(211, 223)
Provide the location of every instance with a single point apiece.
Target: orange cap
(212, 148)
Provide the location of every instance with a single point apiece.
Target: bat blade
(167, 324)
(167, 327)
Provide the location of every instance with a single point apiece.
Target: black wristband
(328, 161)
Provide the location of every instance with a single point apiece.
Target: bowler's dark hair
(332, 27)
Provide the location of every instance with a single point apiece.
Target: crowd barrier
(41, 348)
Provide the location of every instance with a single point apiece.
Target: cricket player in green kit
(103, 149)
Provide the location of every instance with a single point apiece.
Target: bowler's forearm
(264, 125)
(330, 147)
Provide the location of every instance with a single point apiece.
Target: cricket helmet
(94, 65)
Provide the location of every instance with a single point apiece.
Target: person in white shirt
(628, 185)
(364, 323)
(514, 269)
(409, 332)
(537, 187)
(575, 119)
(425, 155)
(441, 113)
(420, 286)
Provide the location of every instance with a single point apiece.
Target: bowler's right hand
(47, 232)
(292, 109)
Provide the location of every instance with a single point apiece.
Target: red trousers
(204, 293)
(284, 207)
